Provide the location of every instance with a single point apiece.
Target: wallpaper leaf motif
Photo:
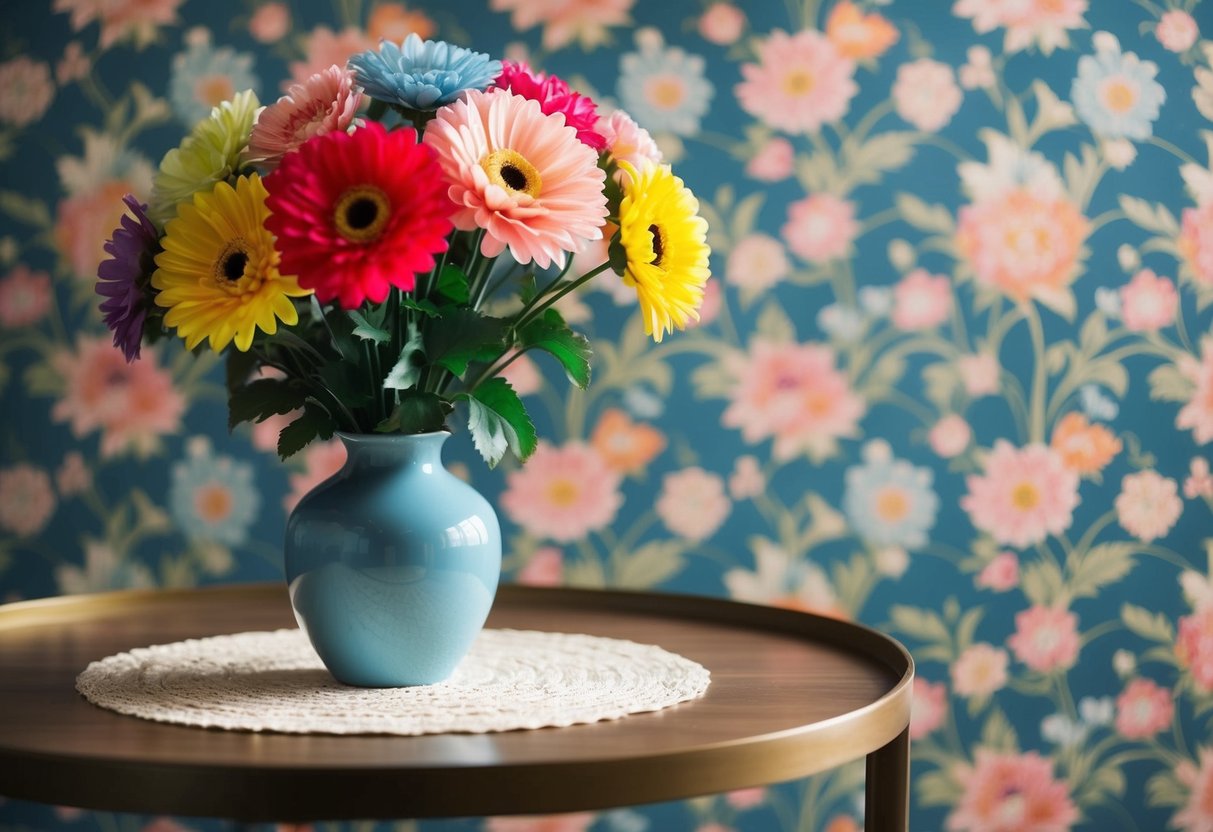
(953, 377)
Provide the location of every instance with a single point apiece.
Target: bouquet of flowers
(346, 258)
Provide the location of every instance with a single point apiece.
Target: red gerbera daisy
(554, 96)
(357, 213)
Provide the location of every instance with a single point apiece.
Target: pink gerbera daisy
(520, 175)
(324, 103)
(554, 96)
(357, 213)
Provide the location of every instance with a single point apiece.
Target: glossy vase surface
(392, 563)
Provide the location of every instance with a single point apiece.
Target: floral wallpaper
(953, 379)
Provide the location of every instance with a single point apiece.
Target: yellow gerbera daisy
(664, 239)
(209, 154)
(218, 274)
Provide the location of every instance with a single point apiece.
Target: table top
(792, 694)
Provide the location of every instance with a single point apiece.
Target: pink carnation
(1148, 302)
(950, 436)
(26, 90)
(1197, 414)
(1197, 813)
(773, 161)
(980, 670)
(325, 102)
(821, 227)
(930, 708)
(563, 493)
(1177, 30)
(926, 95)
(801, 82)
(1148, 505)
(1045, 638)
(1010, 792)
(793, 393)
(1001, 574)
(980, 374)
(1025, 495)
(1194, 646)
(722, 23)
(25, 297)
(270, 22)
(554, 96)
(627, 141)
(132, 405)
(26, 500)
(693, 503)
(545, 568)
(1143, 709)
(921, 300)
(1196, 242)
(757, 262)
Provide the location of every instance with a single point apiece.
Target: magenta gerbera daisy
(520, 175)
(357, 213)
(554, 96)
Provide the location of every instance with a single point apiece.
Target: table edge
(480, 790)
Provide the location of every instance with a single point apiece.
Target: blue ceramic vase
(392, 563)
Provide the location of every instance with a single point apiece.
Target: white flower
(1059, 729)
(1097, 712)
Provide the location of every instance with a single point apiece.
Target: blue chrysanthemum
(203, 76)
(212, 498)
(1115, 93)
(888, 501)
(422, 75)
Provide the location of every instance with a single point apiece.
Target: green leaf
(552, 335)
(775, 325)
(498, 421)
(425, 307)
(25, 209)
(368, 331)
(418, 412)
(453, 284)
(926, 217)
(998, 734)
(937, 788)
(407, 369)
(1103, 565)
(1149, 625)
(1168, 384)
(262, 398)
(1042, 583)
(464, 336)
(238, 369)
(341, 328)
(649, 565)
(350, 388)
(314, 423)
(618, 255)
(919, 623)
(1152, 217)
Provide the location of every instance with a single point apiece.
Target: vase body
(392, 563)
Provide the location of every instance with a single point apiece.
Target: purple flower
(124, 280)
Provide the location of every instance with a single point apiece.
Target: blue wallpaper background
(954, 378)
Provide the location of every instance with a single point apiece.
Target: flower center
(1119, 96)
(513, 172)
(563, 493)
(798, 82)
(231, 264)
(892, 505)
(362, 213)
(1025, 496)
(213, 503)
(658, 245)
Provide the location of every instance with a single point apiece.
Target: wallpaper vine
(954, 377)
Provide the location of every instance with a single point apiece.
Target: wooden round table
(792, 694)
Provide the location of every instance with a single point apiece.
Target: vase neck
(397, 450)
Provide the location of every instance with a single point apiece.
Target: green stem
(533, 310)
(1036, 410)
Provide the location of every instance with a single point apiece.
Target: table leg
(887, 792)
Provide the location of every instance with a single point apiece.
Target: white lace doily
(274, 681)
